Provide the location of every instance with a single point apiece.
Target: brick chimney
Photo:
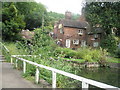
(68, 15)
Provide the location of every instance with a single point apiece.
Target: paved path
(12, 78)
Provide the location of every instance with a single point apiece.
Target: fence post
(37, 75)
(24, 66)
(16, 64)
(11, 60)
(85, 85)
(53, 79)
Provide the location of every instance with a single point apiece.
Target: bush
(88, 54)
(65, 52)
(110, 43)
(117, 52)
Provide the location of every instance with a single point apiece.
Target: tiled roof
(96, 30)
(74, 24)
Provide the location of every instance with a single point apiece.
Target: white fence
(4, 47)
(85, 81)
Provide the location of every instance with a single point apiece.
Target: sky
(60, 6)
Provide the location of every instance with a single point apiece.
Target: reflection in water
(106, 75)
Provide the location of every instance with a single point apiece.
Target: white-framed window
(83, 43)
(76, 42)
(95, 44)
(68, 43)
(95, 35)
(80, 31)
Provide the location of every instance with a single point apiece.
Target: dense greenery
(24, 15)
(55, 17)
(12, 22)
(44, 58)
(106, 16)
(29, 15)
(110, 42)
(33, 12)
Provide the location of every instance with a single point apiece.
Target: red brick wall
(91, 39)
(72, 34)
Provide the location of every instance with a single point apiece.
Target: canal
(109, 76)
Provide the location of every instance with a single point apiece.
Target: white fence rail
(4, 47)
(85, 82)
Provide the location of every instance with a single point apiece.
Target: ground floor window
(76, 42)
(83, 43)
(95, 44)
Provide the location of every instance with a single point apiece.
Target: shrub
(117, 52)
(65, 52)
(110, 43)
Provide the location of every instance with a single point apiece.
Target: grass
(58, 64)
(72, 59)
(113, 60)
(12, 48)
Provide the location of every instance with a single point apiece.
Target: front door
(68, 43)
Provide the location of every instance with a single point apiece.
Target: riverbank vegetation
(33, 16)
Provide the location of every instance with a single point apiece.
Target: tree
(104, 13)
(12, 22)
(53, 16)
(33, 12)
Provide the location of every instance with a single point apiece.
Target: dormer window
(80, 31)
(76, 42)
(95, 35)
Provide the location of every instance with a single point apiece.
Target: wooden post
(24, 66)
(16, 65)
(11, 60)
(53, 79)
(37, 75)
(85, 85)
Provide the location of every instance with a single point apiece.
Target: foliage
(42, 43)
(64, 52)
(109, 43)
(117, 52)
(20, 15)
(12, 22)
(75, 16)
(105, 14)
(87, 54)
(53, 16)
(34, 13)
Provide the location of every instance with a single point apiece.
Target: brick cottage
(75, 33)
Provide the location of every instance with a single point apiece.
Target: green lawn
(12, 48)
(113, 60)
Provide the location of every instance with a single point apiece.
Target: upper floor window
(80, 31)
(76, 42)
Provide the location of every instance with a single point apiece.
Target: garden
(49, 54)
